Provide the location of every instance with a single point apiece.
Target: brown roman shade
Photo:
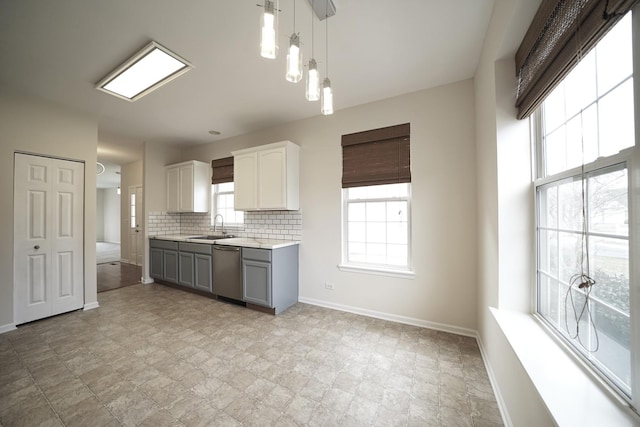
(222, 170)
(374, 157)
(561, 32)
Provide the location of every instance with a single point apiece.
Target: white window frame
(214, 209)
(374, 268)
(630, 157)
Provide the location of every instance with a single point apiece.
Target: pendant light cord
(294, 16)
(312, 29)
(326, 32)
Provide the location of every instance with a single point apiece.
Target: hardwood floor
(114, 275)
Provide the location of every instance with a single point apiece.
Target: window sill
(571, 395)
(403, 274)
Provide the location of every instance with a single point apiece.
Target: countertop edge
(226, 242)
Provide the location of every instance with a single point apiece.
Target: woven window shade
(375, 157)
(222, 170)
(561, 33)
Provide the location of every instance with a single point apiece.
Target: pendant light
(327, 94)
(269, 33)
(312, 88)
(294, 56)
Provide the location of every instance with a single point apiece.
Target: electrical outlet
(328, 285)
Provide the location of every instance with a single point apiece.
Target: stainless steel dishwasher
(227, 272)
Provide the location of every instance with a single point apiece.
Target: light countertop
(246, 242)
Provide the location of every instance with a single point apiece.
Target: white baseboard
(148, 281)
(392, 317)
(91, 306)
(8, 327)
(502, 405)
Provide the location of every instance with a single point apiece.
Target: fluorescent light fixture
(153, 66)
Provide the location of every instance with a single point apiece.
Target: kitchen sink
(226, 236)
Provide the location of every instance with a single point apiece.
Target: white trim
(377, 271)
(392, 317)
(147, 281)
(91, 306)
(502, 405)
(7, 328)
(571, 396)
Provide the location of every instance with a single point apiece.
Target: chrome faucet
(221, 221)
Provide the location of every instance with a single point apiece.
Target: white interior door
(136, 226)
(49, 237)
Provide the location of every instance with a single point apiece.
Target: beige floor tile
(148, 355)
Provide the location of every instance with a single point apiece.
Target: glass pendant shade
(327, 97)
(313, 82)
(269, 25)
(294, 60)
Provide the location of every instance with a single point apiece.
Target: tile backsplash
(285, 225)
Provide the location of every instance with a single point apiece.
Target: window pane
(548, 205)
(357, 232)
(615, 56)
(570, 205)
(225, 187)
(553, 111)
(609, 261)
(608, 203)
(376, 232)
(616, 120)
(376, 211)
(397, 233)
(569, 245)
(580, 85)
(555, 151)
(548, 252)
(357, 212)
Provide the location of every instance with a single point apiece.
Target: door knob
(36, 247)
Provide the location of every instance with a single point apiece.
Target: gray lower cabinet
(163, 257)
(270, 277)
(185, 264)
(195, 265)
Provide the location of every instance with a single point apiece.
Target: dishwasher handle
(227, 248)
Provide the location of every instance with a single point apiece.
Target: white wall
(111, 209)
(443, 206)
(100, 215)
(36, 126)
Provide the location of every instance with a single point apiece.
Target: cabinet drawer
(256, 254)
(163, 244)
(198, 248)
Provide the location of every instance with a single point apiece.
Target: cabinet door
(155, 260)
(185, 269)
(256, 282)
(203, 278)
(170, 264)
(186, 188)
(272, 178)
(173, 189)
(245, 180)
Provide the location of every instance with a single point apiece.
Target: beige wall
(35, 126)
(443, 206)
(156, 157)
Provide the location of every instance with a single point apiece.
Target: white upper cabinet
(188, 187)
(266, 177)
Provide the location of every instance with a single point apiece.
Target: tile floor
(152, 355)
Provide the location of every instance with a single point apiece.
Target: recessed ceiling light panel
(144, 72)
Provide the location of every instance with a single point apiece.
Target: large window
(584, 163)
(376, 200)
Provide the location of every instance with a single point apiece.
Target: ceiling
(59, 49)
